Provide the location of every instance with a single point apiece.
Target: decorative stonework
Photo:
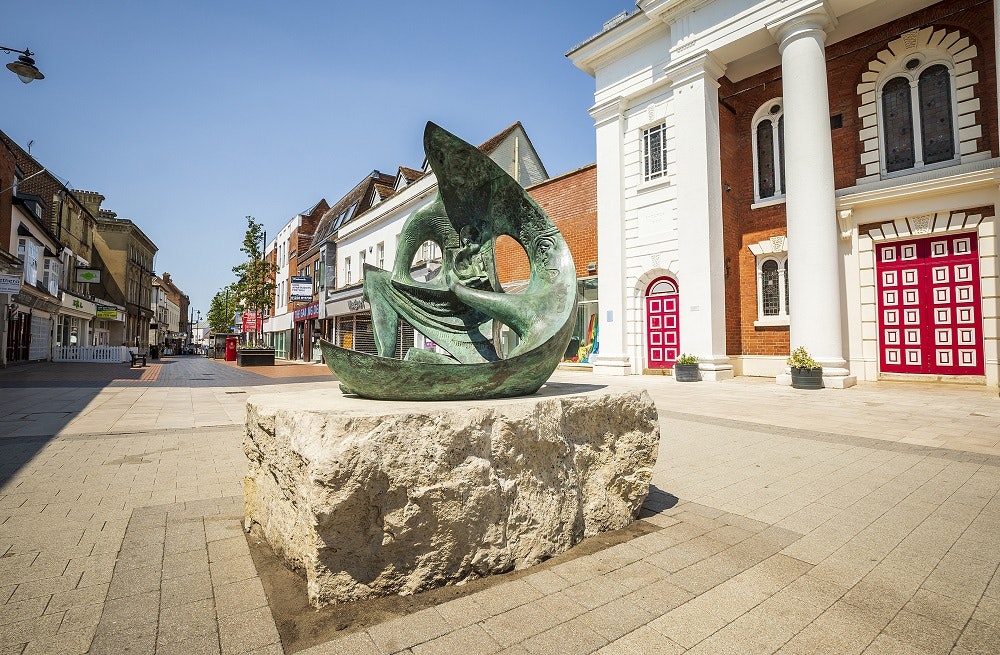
(950, 46)
(777, 243)
(921, 224)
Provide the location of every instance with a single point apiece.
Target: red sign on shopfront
(252, 321)
(309, 311)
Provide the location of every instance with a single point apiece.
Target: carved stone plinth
(372, 498)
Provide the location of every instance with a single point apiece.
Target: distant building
(126, 254)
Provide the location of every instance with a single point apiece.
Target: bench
(137, 357)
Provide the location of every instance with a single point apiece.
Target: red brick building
(799, 174)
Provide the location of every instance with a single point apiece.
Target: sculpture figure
(462, 308)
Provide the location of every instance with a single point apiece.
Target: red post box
(231, 348)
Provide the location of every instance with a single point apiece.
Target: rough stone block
(374, 498)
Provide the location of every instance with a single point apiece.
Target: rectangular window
(654, 156)
(380, 255)
(347, 271)
(361, 265)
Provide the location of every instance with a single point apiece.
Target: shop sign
(104, 311)
(356, 304)
(88, 275)
(302, 288)
(252, 321)
(309, 311)
(10, 284)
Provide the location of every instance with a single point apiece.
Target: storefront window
(584, 342)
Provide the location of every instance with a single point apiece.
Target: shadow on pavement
(40, 399)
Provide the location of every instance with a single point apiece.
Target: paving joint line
(833, 437)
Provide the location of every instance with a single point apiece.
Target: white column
(699, 209)
(814, 284)
(612, 357)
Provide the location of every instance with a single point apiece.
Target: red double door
(929, 306)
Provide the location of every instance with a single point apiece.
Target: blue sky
(189, 115)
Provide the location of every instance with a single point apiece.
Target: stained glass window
(765, 159)
(936, 133)
(653, 152)
(770, 293)
(897, 120)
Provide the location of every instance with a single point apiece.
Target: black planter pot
(686, 372)
(807, 378)
(255, 357)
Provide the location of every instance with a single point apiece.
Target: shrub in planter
(686, 368)
(806, 371)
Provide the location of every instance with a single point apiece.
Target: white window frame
(898, 69)
(380, 255)
(773, 249)
(763, 114)
(644, 135)
(347, 271)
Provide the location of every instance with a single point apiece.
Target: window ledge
(780, 200)
(656, 183)
(771, 321)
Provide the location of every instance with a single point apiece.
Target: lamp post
(24, 67)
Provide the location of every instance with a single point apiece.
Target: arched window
(769, 150)
(772, 281)
(918, 126)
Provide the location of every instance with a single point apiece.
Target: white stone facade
(658, 73)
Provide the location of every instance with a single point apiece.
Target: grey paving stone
(134, 640)
(239, 597)
(135, 581)
(243, 632)
(516, 625)
(201, 644)
(138, 609)
(406, 631)
(187, 623)
(470, 640)
(23, 610)
(922, 632)
(359, 643)
(643, 640)
(185, 589)
(63, 643)
(619, 617)
(567, 638)
(501, 598)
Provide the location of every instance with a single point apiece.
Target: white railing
(104, 354)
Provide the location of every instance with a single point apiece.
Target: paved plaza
(864, 520)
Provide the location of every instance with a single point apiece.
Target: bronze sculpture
(460, 308)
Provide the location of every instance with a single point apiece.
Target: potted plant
(806, 372)
(258, 354)
(686, 368)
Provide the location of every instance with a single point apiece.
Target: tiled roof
(492, 143)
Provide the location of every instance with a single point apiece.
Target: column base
(715, 372)
(833, 378)
(612, 365)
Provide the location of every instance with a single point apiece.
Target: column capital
(697, 65)
(609, 110)
(814, 17)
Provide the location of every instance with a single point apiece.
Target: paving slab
(780, 520)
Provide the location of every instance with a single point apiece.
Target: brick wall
(570, 200)
(846, 61)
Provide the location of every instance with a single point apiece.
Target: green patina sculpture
(461, 309)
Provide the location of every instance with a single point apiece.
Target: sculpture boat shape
(461, 308)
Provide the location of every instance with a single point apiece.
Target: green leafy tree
(254, 289)
(221, 310)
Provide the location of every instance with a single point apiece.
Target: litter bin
(231, 348)
(154, 352)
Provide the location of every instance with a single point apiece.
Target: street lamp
(24, 67)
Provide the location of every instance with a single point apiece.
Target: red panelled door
(662, 329)
(930, 312)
